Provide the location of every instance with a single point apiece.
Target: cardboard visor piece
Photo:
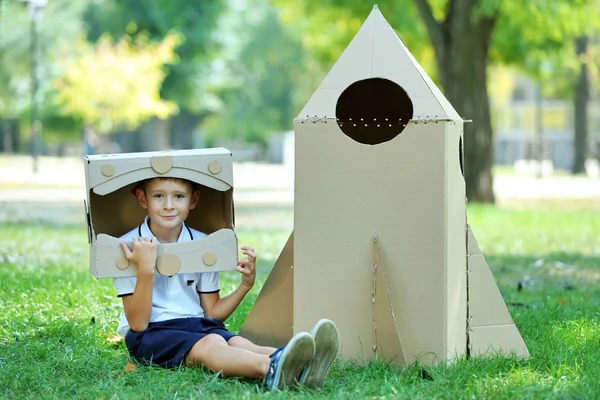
(378, 154)
(112, 210)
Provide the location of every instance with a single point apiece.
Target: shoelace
(273, 362)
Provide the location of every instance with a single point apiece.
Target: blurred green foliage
(194, 21)
(268, 78)
(244, 68)
(466, 35)
(114, 84)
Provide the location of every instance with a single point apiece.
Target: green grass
(56, 318)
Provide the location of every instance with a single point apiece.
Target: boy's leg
(214, 353)
(243, 343)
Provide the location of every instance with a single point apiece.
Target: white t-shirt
(172, 297)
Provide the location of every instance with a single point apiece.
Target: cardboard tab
(161, 164)
(168, 264)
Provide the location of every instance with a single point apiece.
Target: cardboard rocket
(381, 243)
(112, 210)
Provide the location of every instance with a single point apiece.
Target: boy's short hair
(143, 184)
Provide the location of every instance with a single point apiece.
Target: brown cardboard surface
(504, 339)
(134, 167)
(472, 245)
(161, 164)
(123, 263)
(455, 220)
(215, 167)
(209, 259)
(490, 322)
(487, 306)
(345, 192)
(409, 190)
(107, 170)
(223, 244)
(270, 321)
(168, 264)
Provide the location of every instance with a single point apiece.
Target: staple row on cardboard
(374, 122)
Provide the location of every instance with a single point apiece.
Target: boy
(176, 319)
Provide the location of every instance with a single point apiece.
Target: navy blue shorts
(167, 343)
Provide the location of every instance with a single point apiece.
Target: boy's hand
(143, 254)
(247, 267)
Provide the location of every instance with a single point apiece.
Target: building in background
(517, 133)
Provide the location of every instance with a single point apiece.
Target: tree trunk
(581, 90)
(461, 46)
(155, 135)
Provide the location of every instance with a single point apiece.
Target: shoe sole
(327, 346)
(297, 354)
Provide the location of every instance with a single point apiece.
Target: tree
(195, 21)
(112, 84)
(187, 83)
(466, 36)
(266, 71)
(461, 42)
(558, 58)
(60, 22)
(581, 90)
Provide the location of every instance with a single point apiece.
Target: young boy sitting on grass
(178, 320)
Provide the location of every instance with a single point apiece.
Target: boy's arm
(221, 308)
(138, 306)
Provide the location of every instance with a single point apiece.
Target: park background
(103, 76)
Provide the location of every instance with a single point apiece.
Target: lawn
(57, 321)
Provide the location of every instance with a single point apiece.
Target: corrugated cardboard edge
(455, 284)
(270, 322)
(491, 328)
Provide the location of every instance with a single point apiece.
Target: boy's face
(168, 202)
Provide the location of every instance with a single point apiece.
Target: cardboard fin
(270, 322)
(490, 323)
(386, 343)
(504, 339)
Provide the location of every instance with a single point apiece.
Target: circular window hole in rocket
(373, 111)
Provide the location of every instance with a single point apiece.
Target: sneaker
(327, 346)
(288, 362)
